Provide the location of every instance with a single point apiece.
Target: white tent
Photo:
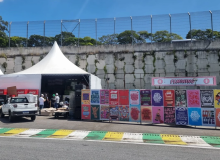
(54, 63)
(1, 73)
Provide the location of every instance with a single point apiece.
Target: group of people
(44, 101)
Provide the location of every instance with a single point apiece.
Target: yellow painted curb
(172, 139)
(113, 136)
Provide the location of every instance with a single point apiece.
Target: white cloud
(1, 0)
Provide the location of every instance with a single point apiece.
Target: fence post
(190, 26)
(170, 28)
(211, 23)
(9, 35)
(131, 32)
(96, 30)
(114, 24)
(27, 35)
(151, 27)
(44, 32)
(78, 32)
(61, 35)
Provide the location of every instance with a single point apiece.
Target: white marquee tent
(1, 73)
(54, 63)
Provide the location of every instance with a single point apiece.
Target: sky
(37, 10)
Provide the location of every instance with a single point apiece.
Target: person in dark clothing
(46, 102)
(53, 100)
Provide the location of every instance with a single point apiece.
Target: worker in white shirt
(41, 103)
(57, 100)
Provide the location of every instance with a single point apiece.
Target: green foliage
(3, 55)
(23, 59)
(105, 70)
(18, 41)
(4, 65)
(110, 39)
(32, 62)
(127, 36)
(38, 40)
(203, 35)
(77, 61)
(23, 67)
(165, 36)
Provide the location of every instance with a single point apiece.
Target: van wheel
(2, 114)
(33, 118)
(10, 118)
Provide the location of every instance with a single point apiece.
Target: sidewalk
(44, 122)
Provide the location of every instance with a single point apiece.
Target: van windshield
(18, 100)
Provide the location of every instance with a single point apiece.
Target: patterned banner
(113, 97)
(169, 115)
(157, 97)
(158, 114)
(146, 114)
(134, 113)
(134, 97)
(124, 97)
(114, 113)
(208, 117)
(86, 112)
(104, 96)
(217, 98)
(181, 116)
(145, 97)
(207, 98)
(195, 116)
(169, 98)
(95, 112)
(180, 98)
(217, 116)
(193, 98)
(85, 98)
(95, 99)
(104, 112)
(124, 113)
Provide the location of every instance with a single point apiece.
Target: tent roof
(54, 63)
(1, 73)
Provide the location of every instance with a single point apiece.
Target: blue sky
(35, 10)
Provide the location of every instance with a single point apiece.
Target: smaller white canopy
(1, 73)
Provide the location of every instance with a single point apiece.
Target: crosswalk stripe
(29, 132)
(132, 137)
(78, 134)
(62, 133)
(113, 136)
(194, 141)
(172, 139)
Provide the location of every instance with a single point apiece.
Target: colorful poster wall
(104, 96)
(95, 112)
(181, 116)
(86, 112)
(123, 97)
(134, 97)
(208, 116)
(158, 114)
(145, 97)
(217, 98)
(124, 113)
(169, 115)
(85, 96)
(146, 114)
(169, 98)
(207, 98)
(180, 98)
(217, 116)
(95, 98)
(104, 112)
(157, 97)
(134, 113)
(195, 116)
(114, 113)
(193, 98)
(113, 97)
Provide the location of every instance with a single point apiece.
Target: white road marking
(29, 132)
(132, 137)
(78, 134)
(194, 141)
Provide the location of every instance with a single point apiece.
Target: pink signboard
(184, 81)
(193, 98)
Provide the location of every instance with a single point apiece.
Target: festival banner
(180, 98)
(158, 114)
(217, 116)
(85, 96)
(217, 98)
(134, 112)
(95, 98)
(207, 98)
(168, 98)
(169, 115)
(85, 112)
(195, 116)
(123, 97)
(114, 113)
(157, 97)
(208, 116)
(146, 114)
(104, 96)
(104, 112)
(193, 98)
(124, 113)
(181, 116)
(134, 97)
(113, 97)
(145, 97)
(95, 112)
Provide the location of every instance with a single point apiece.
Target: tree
(165, 36)
(127, 36)
(18, 41)
(144, 35)
(3, 36)
(203, 35)
(109, 39)
(38, 40)
(65, 36)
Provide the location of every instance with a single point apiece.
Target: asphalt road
(22, 149)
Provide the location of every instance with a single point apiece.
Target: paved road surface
(22, 149)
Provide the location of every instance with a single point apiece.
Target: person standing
(41, 103)
(57, 100)
(46, 102)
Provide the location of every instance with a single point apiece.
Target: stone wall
(128, 66)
